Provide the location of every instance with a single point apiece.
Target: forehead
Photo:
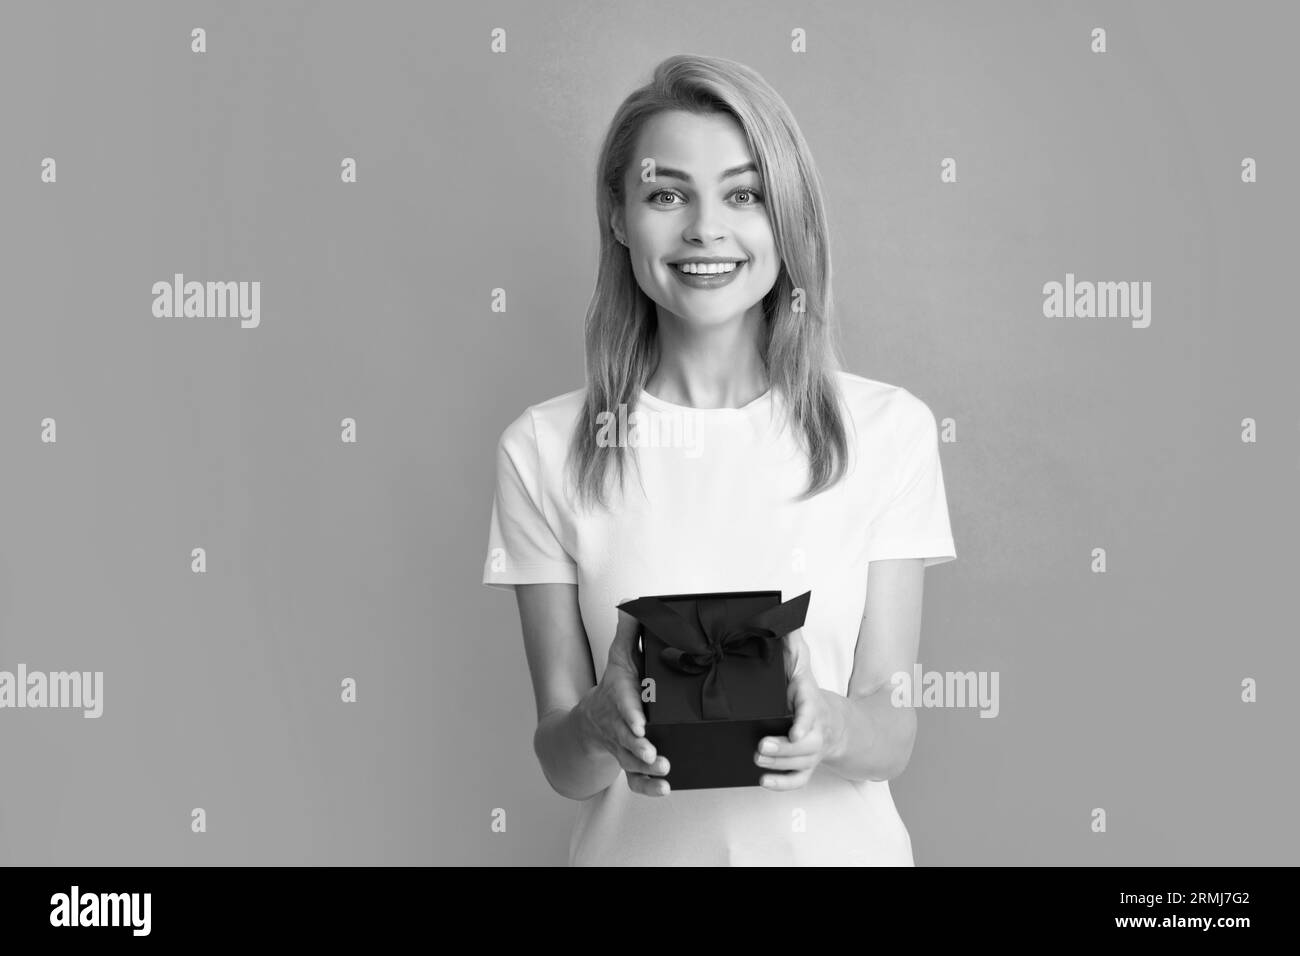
(702, 145)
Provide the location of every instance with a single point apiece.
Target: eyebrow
(667, 172)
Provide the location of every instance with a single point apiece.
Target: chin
(708, 315)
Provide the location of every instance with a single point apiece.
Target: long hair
(796, 347)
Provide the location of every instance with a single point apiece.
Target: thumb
(793, 652)
(626, 633)
(802, 712)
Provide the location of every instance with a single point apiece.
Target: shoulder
(543, 425)
(884, 411)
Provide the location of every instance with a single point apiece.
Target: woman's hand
(793, 758)
(612, 720)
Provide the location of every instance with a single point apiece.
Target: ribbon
(698, 643)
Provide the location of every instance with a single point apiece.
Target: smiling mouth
(707, 268)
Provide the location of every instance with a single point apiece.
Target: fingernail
(768, 747)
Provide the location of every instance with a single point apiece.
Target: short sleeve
(914, 524)
(523, 547)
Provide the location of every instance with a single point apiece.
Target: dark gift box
(718, 665)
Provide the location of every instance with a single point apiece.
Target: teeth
(700, 268)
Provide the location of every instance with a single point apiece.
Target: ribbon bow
(698, 643)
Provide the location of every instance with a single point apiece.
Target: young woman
(712, 314)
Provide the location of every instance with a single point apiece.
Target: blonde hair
(797, 348)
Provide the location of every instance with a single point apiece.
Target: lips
(707, 279)
(707, 267)
(706, 259)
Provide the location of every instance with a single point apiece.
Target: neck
(716, 367)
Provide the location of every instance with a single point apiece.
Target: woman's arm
(872, 739)
(559, 660)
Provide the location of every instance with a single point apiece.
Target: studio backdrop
(252, 520)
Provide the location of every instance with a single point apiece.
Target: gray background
(328, 560)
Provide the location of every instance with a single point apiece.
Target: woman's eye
(755, 197)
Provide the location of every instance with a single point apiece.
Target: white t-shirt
(717, 513)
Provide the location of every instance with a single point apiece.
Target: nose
(707, 224)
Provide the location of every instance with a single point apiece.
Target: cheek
(654, 279)
(763, 245)
(653, 271)
(768, 270)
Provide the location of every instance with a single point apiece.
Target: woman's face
(706, 200)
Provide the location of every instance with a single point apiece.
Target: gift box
(717, 661)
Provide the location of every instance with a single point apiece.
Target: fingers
(633, 764)
(632, 752)
(807, 745)
(786, 781)
(794, 762)
(629, 708)
(645, 779)
(627, 717)
(648, 786)
(786, 754)
(639, 747)
(641, 762)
